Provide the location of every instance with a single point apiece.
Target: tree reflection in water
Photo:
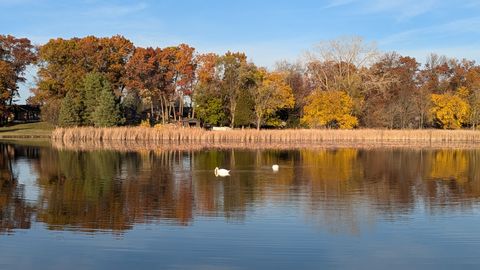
(340, 189)
(15, 211)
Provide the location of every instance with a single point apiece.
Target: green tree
(210, 110)
(70, 111)
(232, 69)
(131, 107)
(244, 115)
(107, 112)
(93, 85)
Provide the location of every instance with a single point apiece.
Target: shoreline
(168, 137)
(131, 138)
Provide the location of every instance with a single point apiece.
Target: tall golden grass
(196, 137)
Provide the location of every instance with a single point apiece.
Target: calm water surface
(324, 209)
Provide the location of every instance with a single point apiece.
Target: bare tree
(335, 64)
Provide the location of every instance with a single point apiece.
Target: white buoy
(275, 167)
(221, 172)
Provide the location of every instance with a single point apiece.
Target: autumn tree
(7, 82)
(184, 65)
(449, 111)
(294, 76)
(16, 54)
(152, 73)
(390, 86)
(145, 75)
(63, 64)
(329, 109)
(271, 94)
(436, 74)
(341, 64)
(206, 68)
(168, 90)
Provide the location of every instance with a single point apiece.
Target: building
(23, 113)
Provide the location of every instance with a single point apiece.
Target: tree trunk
(162, 110)
(233, 107)
(151, 112)
(259, 121)
(166, 111)
(180, 105)
(172, 110)
(421, 122)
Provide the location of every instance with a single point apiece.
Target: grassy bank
(246, 138)
(29, 130)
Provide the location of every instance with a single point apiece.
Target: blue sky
(267, 31)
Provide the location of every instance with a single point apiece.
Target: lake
(348, 208)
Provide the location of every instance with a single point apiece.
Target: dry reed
(188, 138)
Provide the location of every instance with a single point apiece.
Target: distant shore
(148, 138)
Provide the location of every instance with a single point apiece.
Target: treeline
(342, 83)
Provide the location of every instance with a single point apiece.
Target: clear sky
(268, 30)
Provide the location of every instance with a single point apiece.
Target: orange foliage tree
(15, 55)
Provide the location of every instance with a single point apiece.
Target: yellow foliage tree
(463, 93)
(329, 108)
(272, 94)
(450, 111)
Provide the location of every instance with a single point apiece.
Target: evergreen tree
(93, 84)
(70, 111)
(244, 115)
(107, 112)
(131, 108)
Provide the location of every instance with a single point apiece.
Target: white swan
(275, 167)
(221, 172)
